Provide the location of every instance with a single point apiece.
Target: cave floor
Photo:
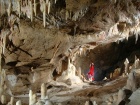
(78, 94)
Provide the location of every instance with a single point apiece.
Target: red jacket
(91, 72)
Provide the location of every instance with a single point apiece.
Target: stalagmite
(44, 14)
(35, 6)
(3, 99)
(11, 101)
(18, 102)
(126, 63)
(71, 69)
(31, 10)
(121, 96)
(79, 72)
(34, 99)
(0, 58)
(131, 81)
(30, 97)
(9, 8)
(48, 102)
(115, 97)
(36, 75)
(80, 51)
(3, 77)
(49, 7)
(137, 63)
(39, 103)
(87, 103)
(59, 103)
(94, 103)
(18, 7)
(43, 91)
(2, 82)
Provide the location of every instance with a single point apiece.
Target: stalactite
(3, 39)
(2, 9)
(75, 17)
(18, 102)
(30, 97)
(35, 7)
(26, 2)
(126, 63)
(18, 7)
(3, 99)
(47, 1)
(136, 36)
(9, 8)
(121, 96)
(55, 1)
(70, 14)
(42, 6)
(75, 27)
(43, 91)
(66, 15)
(44, 14)
(31, 10)
(49, 7)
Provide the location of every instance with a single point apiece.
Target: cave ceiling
(57, 29)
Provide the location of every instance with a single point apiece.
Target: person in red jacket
(91, 72)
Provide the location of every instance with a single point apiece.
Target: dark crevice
(12, 64)
(15, 48)
(60, 4)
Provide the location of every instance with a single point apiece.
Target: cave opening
(109, 57)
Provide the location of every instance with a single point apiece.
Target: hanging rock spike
(47, 1)
(44, 14)
(18, 7)
(9, 8)
(55, 1)
(31, 10)
(49, 6)
(35, 5)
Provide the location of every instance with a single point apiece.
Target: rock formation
(46, 47)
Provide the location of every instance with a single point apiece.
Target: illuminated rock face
(63, 36)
